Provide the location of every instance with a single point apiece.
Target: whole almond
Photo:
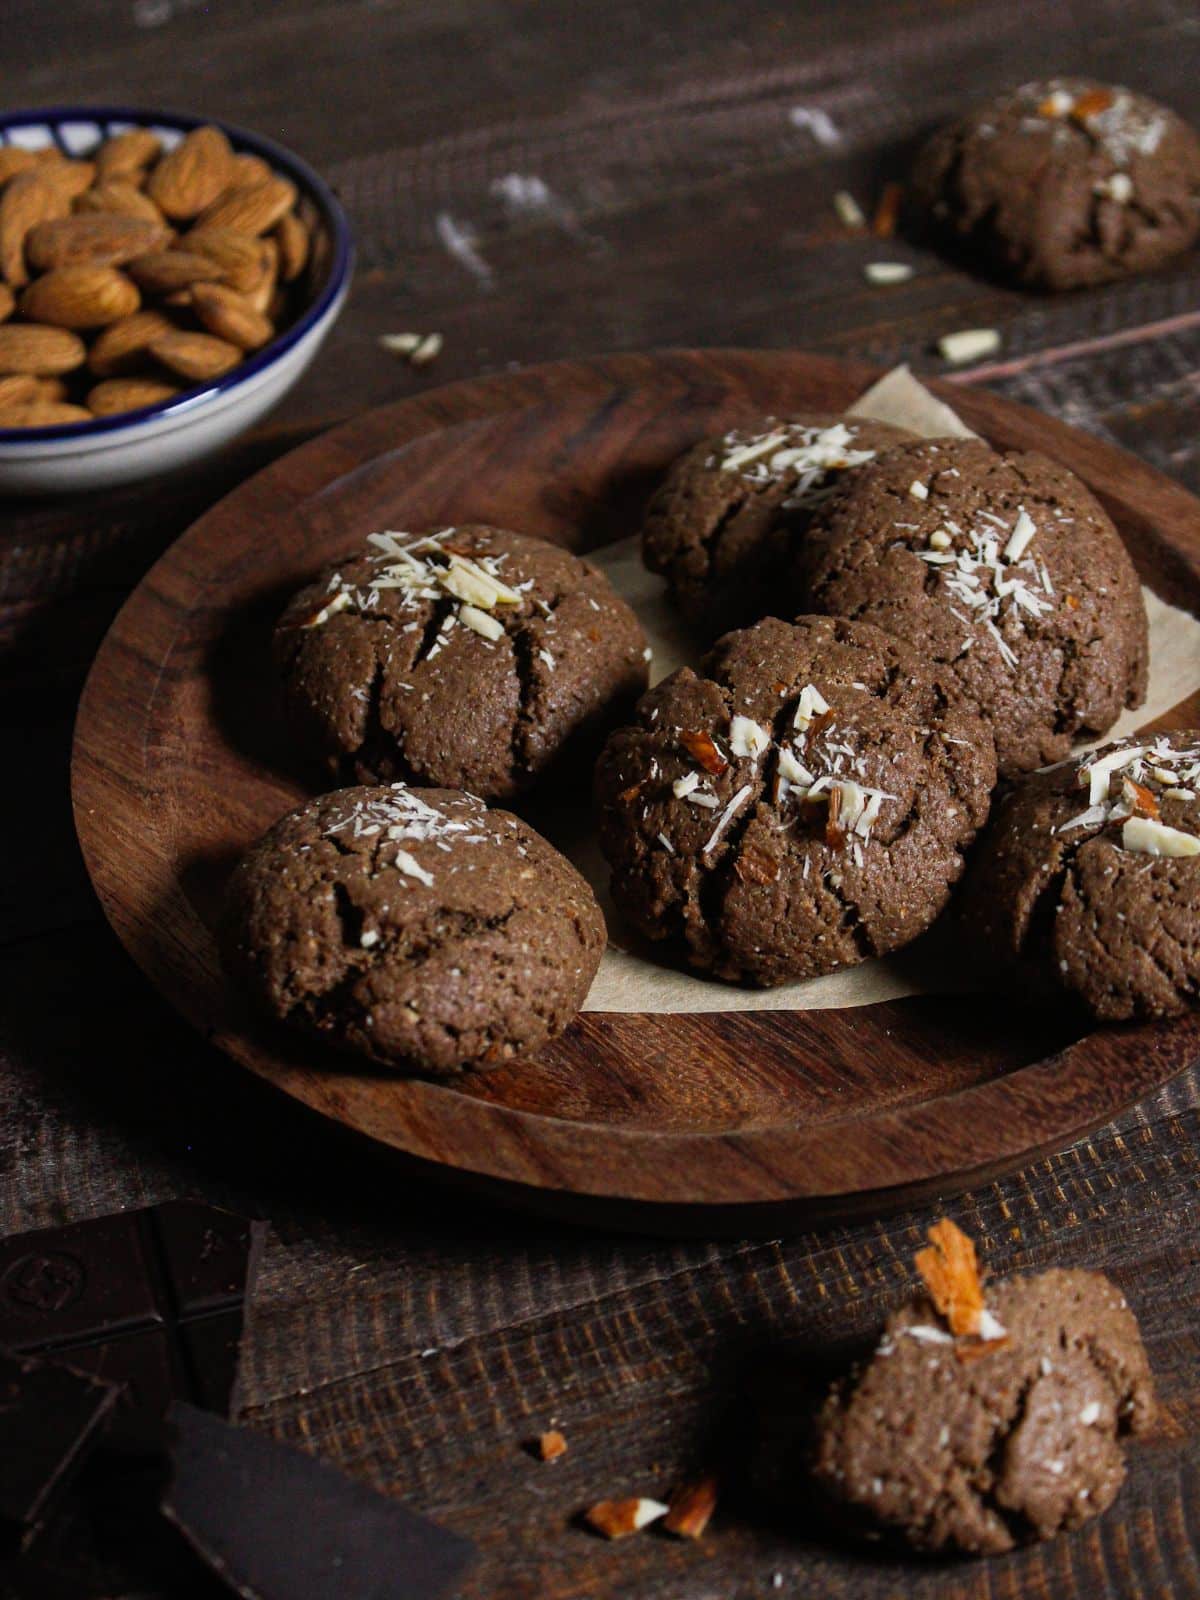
(164, 271)
(237, 255)
(249, 169)
(252, 209)
(124, 346)
(127, 394)
(72, 177)
(199, 357)
(101, 240)
(192, 175)
(121, 198)
(291, 239)
(30, 198)
(13, 160)
(43, 414)
(7, 302)
(230, 316)
(21, 389)
(25, 347)
(125, 155)
(80, 297)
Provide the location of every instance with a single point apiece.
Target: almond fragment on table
(551, 1446)
(950, 1272)
(887, 271)
(968, 344)
(691, 1508)
(617, 1519)
(850, 213)
(887, 212)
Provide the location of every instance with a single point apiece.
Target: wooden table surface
(533, 180)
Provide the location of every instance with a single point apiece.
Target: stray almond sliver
(617, 1519)
(551, 1445)
(887, 211)
(1143, 802)
(1091, 104)
(950, 1273)
(691, 1508)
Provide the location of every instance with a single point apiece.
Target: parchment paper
(633, 977)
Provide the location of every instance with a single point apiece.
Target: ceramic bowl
(156, 439)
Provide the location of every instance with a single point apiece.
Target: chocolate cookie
(803, 805)
(723, 525)
(413, 926)
(471, 658)
(978, 1446)
(1006, 576)
(1063, 183)
(1089, 880)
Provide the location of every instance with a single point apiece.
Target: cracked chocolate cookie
(1088, 880)
(1063, 183)
(1004, 573)
(723, 526)
(470, 658)
(802, 805)
(413, 926)
(978, 1442)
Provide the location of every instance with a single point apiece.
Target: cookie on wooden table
(471, 657)
(1004, 573)
(1063, 183)
(1088, 880)
(978, 1441)
(722, 527)
(802, 805)
(413, 926)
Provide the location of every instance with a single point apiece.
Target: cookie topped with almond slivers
(1006, 575)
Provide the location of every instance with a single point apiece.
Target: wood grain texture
(701, 215)
(724, 1120)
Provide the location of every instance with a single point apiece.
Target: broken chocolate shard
(50, 1417)
(277, 1524)
(149, 1299)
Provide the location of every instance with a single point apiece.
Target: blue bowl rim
(242, 139)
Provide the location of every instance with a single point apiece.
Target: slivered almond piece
(703, 751)
(230, 316)
(617, 1519)
(950, 1273)
(255, 208)
(43, 414)
(191, 176)
(551, 1446)
(199, 357)
(887, 212)
(1141, 799)
(102, 239)
(127, 394)
(125, 155)
(291, 238)
(691, 1508)
(30, 198)
(165, 271)
(79, 297)
(45, 352)
(119, 197)
(1090, 104)
(124, 346)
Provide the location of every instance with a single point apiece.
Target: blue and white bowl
(155, 439)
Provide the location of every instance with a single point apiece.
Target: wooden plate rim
(974, 1131)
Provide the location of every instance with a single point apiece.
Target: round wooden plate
(729, 1120)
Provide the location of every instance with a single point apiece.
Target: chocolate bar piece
(49, 1418)
(151, 1299)
(280, 1525)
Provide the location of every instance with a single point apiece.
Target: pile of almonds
(138, 273)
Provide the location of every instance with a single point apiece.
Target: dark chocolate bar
(280, 1525)
(49, 1419)
(151, 1299)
